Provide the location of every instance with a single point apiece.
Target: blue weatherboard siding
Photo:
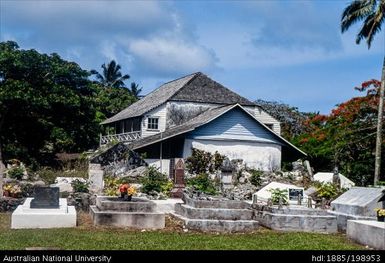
(234, 125)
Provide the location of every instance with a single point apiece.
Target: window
(152, 123)
(269, 125)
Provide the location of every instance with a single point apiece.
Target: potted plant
(380, 214)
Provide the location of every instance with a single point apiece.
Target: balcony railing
(121, 137)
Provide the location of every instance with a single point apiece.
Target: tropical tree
(47, 106)
(346, 137)
(372, 13)
(111, 75)
(292, 120)
(135, 90)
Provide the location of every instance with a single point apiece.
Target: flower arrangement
(380, 212)
(127, 191)
(11, 190)
(131, 190)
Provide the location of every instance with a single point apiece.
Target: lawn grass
(172, 237)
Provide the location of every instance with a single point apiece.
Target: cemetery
(198, 205)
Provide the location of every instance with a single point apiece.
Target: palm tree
(111, 76)
(135, 90)
(372, 13)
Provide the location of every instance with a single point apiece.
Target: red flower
(123, 188)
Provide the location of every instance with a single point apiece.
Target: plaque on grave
(294, 193)
(46, 197)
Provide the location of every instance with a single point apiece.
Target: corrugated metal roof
(199, 120)
(203, 118)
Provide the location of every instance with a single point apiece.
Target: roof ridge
(195, 73)
(168, 82)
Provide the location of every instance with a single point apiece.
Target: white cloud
(108, 50)
(140, 35)
(171, 55)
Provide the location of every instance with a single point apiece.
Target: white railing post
(121, 137)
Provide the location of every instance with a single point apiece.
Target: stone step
(296, 210)
(298, 223)
(213, 213)
(225, 204)
(211, 225)
(151, 220)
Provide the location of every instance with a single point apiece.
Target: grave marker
(179, 183)
(45, 197)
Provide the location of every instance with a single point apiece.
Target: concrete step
(296, 210)
(225, 204)
(298, 223)
(211, 225)
(213, 213)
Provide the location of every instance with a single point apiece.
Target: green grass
(89, 237)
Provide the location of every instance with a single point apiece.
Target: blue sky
(290, 51)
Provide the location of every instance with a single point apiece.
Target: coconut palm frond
(135, 90)
(111, 75)
(356, 12)
(365, 29)
(376, 26)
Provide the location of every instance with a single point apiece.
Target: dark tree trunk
(2, 166)
(377, 167)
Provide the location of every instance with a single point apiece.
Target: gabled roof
(201, 119)
(196, 87)
(190, 125)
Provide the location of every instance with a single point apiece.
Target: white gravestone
(95, 177)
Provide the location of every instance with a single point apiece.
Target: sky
(290, 51)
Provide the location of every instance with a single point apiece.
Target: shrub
(154, 181)
(202, 162)
(48, 175)
(79, 186)
(277, 194)
(327, 190)
(202, 183)
(27, 190)
(16, 172)
(111, 186)
(255, 178)
(166, 188)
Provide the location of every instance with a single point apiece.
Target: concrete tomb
(370, 233)
(216, 215)
(358, 203)
(293, 192)
(296, 218)
(137, 213)
(45, 210)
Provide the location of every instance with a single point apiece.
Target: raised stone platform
(137, 213)
(358, 203)
(213, 213)
(297, 218)
(26, 217)
(211, 225)
(370, 233)
(219, 216)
